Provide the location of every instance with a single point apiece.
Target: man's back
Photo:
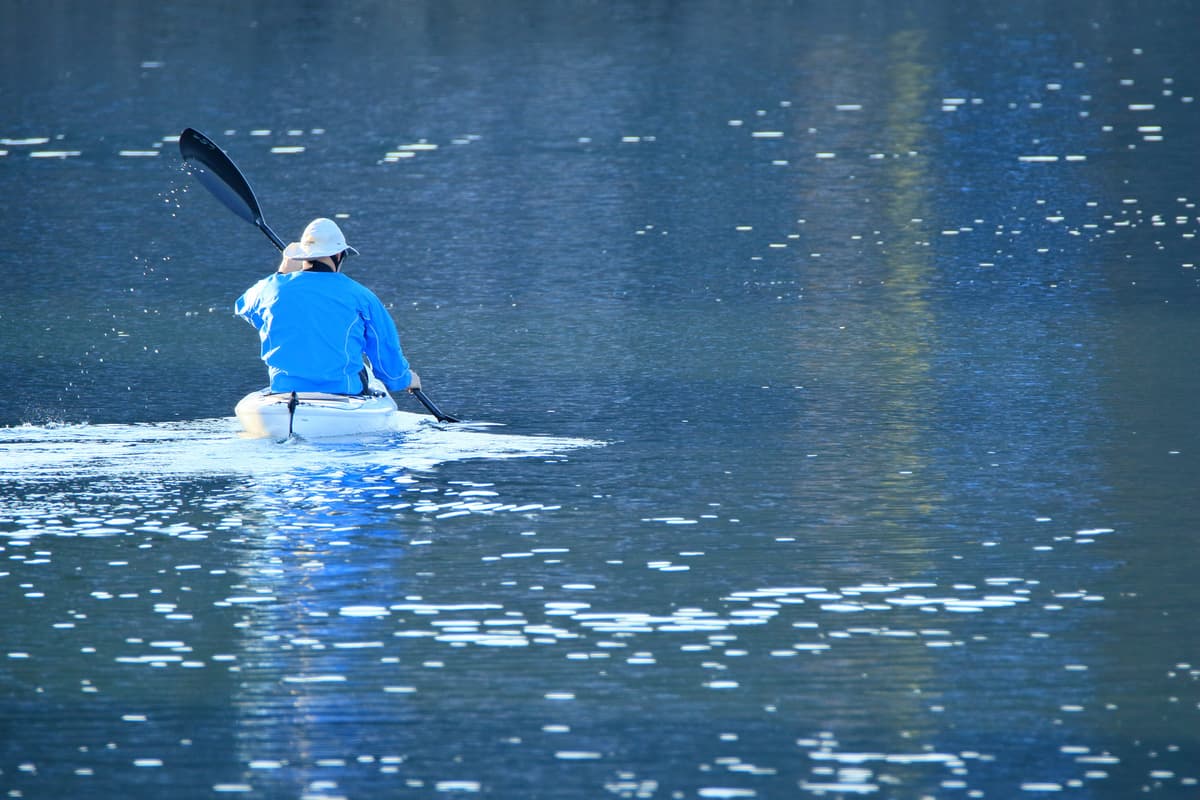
(316, 327)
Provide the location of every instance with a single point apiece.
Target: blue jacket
(315, 328)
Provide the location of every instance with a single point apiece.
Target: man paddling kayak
(321, 331)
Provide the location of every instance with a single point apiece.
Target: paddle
(437, 414)
(221, 176)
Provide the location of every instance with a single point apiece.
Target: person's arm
(383, 349)
(247, 307)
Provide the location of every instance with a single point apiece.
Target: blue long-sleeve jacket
(315, 328)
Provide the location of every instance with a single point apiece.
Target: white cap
(321, 238)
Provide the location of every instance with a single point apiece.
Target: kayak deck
(314, 414)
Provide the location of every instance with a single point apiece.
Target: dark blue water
(839, 367)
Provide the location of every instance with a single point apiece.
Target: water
(830, 378)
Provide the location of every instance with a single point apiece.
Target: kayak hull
(314, 415)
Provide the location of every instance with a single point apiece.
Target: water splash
(216, 447)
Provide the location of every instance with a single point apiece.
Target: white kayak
(314, 414)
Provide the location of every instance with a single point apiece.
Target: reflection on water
(348, 617)
(204, 573)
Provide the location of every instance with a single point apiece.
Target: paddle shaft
(425, 401)
(216, 170)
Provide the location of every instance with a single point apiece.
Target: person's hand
(290, 265)
(416, 382)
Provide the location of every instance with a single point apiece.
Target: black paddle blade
(219, 175)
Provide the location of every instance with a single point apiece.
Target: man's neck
(320, 265)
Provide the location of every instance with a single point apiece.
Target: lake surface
(831, 379)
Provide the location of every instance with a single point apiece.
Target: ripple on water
(458, 786)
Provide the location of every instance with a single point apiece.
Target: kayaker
(322, 331)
